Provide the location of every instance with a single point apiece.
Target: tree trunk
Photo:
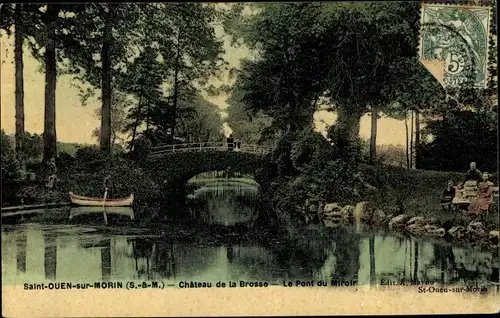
(407, 146)
(49, 132)
(415, 264)
(134, 130)
(347, 128)
(176, 88)
(18, 57)
(373, 137)
(411, 142)
(106, 85)
(147, 120)
(417, 140)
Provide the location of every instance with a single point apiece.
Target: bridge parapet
(210, 146)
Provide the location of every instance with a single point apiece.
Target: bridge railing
(210, 146)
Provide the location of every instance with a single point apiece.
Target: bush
(11, 171)
(127, 179)
(89, 154)
(142, 148)
(310, 172)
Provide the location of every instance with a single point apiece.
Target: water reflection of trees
(347, 252)
(166, 259)
(308, 257)
(439, 263)
(21, 241)
(106, 260)
(50, 255)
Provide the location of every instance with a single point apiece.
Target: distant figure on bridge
(230, 143)
(237, 146)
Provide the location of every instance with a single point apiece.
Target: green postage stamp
(454, 43)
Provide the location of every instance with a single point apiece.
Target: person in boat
(230, 143)
(448, 196)
(108, 186)
(52, 169)
(481, 203)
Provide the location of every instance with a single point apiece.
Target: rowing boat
(89, 201)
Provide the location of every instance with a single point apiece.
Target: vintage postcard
(244, 159)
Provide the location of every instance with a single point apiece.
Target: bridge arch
(175, 166)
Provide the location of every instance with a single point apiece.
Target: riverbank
(418, 193)
(365, 215)
(84, 175)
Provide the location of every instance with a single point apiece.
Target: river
(81, 250)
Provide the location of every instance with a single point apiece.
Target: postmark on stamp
(454, 44)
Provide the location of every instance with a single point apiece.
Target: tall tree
(462, 136)
(143, 33)
(337, 49)
(120, 104)
(191, 49)
(105, 140)
(247, 125)
(418, 144)
(104, 38)
(202, 122)
(49, 132)
(373, 135)
(18, 58)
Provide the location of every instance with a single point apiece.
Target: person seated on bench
(448, 195)
(481, 203)
(460, 201)
(473, 174)
(472, 177)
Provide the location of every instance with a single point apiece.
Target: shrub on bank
(310, 173)
(126, 177)
(84, 175)
(11, 171)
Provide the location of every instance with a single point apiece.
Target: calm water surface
(81, 252)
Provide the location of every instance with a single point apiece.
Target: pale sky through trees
(76, 123)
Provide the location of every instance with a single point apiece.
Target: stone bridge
(177, 163)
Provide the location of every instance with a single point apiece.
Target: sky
(75, 123)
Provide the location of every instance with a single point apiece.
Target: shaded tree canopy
(459, 138)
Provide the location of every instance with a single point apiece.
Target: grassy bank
(418, 192)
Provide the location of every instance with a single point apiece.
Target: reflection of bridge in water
(211, 146)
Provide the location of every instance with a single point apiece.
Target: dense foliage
(460, 137)
(11, 170)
